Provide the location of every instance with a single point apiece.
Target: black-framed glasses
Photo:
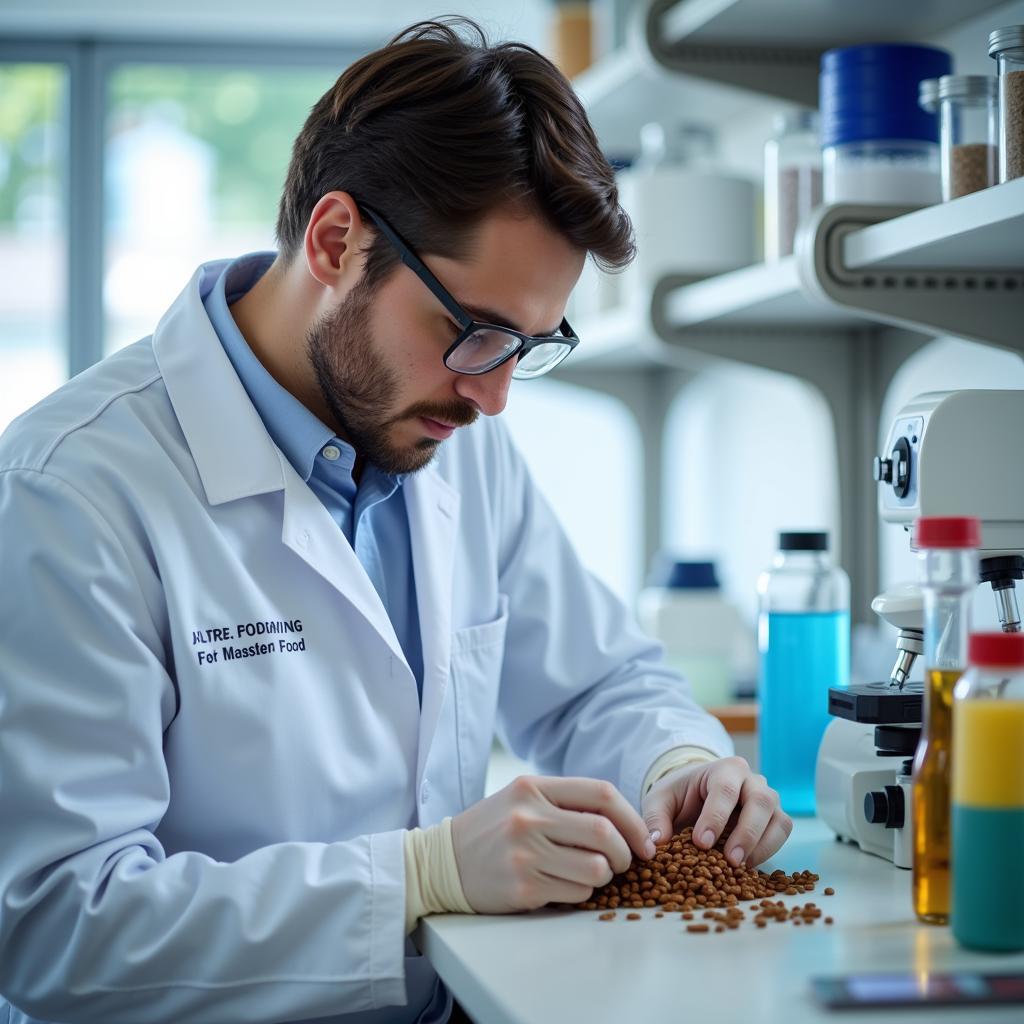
(482, 347)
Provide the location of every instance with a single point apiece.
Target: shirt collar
(295, 430)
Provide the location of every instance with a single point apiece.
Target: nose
(488, 391)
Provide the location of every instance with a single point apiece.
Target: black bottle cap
(808, 541)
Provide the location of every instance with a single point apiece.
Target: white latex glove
(541, 840)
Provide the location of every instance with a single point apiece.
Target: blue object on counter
(804, 643)
(871, 92)
(667, 572)
(805, 654)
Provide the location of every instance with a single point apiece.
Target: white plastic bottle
(702, 632)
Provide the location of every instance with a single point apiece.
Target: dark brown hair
(437, 129)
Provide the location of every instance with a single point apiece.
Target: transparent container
(968, 126)
(1006, 47)
(949, 577)
(792, 180)
(988, 795)
(804, 646)
(879, 146)
(885, 171)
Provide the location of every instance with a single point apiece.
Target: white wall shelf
(624, 339)
(623, 90)
(763, 296)
(914, 270)
(982, 231)
(811, 23)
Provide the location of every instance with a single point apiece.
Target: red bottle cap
(947, 532)
(995, 650)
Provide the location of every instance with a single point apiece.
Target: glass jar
(878, 144)
(948, 549)
(1006, 46)
(988, 795)
(792, 180)
(804, 644)
(968, 124)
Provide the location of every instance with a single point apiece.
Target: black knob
(882, 470)
(876, 807)
(885, 807)
(901, 462)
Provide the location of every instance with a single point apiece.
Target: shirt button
(424, 792)
(332, 453)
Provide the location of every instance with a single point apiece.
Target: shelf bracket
(789, 73)
(983, 305)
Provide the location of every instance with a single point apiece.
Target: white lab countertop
(566, 966)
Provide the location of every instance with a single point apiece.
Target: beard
(359, 389)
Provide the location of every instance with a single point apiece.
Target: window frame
(89, 66)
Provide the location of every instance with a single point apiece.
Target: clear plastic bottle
(988, 795)
(792, 180)
(1006, 48)
(948, 547)
(804, 643)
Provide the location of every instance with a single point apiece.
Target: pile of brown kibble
(683, 877)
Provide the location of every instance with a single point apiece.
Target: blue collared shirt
(372, 515)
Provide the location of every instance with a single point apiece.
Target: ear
(334, 240)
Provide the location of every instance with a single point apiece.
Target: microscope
(951, 453)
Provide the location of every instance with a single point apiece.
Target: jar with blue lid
(878, 144)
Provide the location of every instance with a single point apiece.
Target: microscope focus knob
(885, 807)
(882, 470)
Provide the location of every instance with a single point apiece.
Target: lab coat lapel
(433, 510)
(310, 531)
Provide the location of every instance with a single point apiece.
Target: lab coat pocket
(477, 655)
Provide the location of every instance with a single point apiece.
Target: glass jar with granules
(1006, 47)
(968, 118)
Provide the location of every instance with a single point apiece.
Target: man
(273, 576)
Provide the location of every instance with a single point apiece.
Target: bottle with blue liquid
(804, 643)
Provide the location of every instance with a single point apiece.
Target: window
(739, 441)
(33, 236)
(585, 453)
(195, 159)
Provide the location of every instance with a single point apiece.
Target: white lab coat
(211, 840)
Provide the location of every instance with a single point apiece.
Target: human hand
(706, 795)
(542, 839)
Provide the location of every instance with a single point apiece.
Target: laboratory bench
(557, 965)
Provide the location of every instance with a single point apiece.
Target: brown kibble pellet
(719, 927)
(682, 877)
(829, 891)
(610, 916)
(828, 920)
(633, 917)
(698, 927)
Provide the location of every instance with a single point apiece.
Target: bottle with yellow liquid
(988, 795)
(948, 547)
